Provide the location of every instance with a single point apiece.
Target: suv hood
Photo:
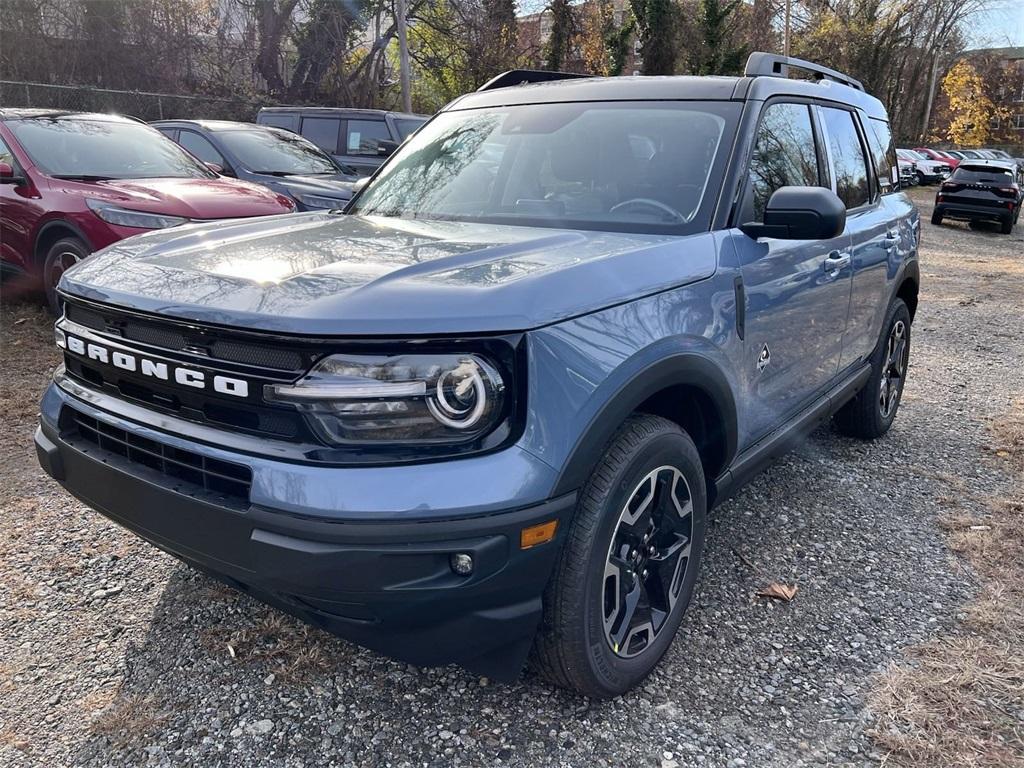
(218, 198)
(338, 186)
(332, 274)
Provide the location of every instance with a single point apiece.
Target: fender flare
(686, 368)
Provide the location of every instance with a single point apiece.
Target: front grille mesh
(224, 479)
(167, 336)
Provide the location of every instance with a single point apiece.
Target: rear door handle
(836, 261)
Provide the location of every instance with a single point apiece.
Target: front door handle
(837, 260)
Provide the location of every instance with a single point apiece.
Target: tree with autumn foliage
(971, 110)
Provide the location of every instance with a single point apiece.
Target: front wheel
(871, 412)
(629, 564)
(63, 255)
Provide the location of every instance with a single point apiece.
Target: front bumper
(385, 585)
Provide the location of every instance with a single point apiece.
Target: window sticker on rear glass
(894, 174)
(353, 141)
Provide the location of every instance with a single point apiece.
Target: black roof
(331, 111)
(213, 125)
(767, 77)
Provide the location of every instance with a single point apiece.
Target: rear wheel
(871, 412)
(629, 565)
(1007, 225)
(936, 218)
(63, 255)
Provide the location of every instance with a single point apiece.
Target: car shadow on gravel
(219, 675)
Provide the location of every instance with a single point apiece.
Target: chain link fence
(141, 104)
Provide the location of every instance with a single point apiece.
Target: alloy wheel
(64, 261)
(894, 369)
(647, 561)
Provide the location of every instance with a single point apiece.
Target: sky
(1002, 26)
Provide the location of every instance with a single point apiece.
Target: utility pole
(403, 53)
(785, 39)
(931, 97)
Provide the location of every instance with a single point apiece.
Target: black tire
(936, 218)
(63, 254)
(871, 412)
(1007, 225)
(574, 647)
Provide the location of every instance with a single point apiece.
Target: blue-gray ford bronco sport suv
(481, 415)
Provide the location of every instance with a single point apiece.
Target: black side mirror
(9, 176)
(386, 148)
(800, 213)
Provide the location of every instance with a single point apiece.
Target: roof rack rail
(525, 76)
(773, 65)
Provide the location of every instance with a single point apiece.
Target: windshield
(77, 148)
(617, 166)
(910, 154)
(277, 152)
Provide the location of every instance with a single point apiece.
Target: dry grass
(129, 720)
(294, 652)
(958, 703)
(960, 700)
(1009, 435)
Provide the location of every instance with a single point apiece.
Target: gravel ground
(112, 653)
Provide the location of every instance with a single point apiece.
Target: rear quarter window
(883, 154)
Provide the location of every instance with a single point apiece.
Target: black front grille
(254, 358)
(178, 338)
(184, 469)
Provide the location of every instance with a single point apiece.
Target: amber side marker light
(537, 534)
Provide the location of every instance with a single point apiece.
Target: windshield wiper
(82, 177)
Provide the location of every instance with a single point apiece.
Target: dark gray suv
(357, 138)
(486, 409)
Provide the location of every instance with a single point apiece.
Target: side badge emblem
(764, 358)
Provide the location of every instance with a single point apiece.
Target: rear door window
(364, 136)
(784, 154)
(849, 168)
(322, 131)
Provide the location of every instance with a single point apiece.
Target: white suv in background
(928, 171)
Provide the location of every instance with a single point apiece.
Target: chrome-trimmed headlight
(125, 217)
(428, 398)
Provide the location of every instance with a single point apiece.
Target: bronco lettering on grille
(186, 377)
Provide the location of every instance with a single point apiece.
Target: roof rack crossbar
(525, 76)
(773, 65)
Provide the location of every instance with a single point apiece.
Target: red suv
(72, 183)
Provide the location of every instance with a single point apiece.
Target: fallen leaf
(778, 591)
(231, 651)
